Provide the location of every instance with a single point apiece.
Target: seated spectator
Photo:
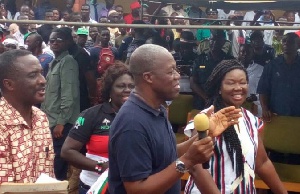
(135, 13)
(195, 12)
(92, 127)
(290, 17)
(177, 21)
(25, 144)
(263, 53)
(224, 14)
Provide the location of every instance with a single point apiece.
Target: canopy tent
(241, 4)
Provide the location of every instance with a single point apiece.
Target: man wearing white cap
(114, 18)
(10, 44)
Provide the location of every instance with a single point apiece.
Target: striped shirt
(221, 168)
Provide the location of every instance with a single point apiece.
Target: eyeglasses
(58, 40)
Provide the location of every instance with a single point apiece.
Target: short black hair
(8, 64)
(256, 34)
(66, 32)
(37, 37)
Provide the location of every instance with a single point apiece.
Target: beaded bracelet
(98, 167)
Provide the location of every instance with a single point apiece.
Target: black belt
(283, 158)
(86, 187)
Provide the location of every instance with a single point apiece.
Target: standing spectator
(141, 128)
(178, 8)
(76, 17)
(62, 103)
(85, 14)
(290, 17)
(95, 9)
(205, 33)
(135, 13)
(13, 28)
(46, 29)
(254, 71)
(279, 84)
(56, 14)
(109, 5)
(87, 80)
(40, 10)
(10, 44)
(34, 43)
(120, 10)
(70, 4)
(25, 144)
(237, 37)
(263, 53)
(66, 17)
(92, 127)
(5, 13)
(96, 52)
(204, 65)
(23, 29)
(90, 43)
(224, 14)
(121, 37)
(138, 40)
(113, 18)
(82, 36)
(239, 152)
(24, 10)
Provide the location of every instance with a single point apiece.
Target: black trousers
(60, 165)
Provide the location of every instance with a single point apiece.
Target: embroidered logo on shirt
(79, 122)
(106, 126)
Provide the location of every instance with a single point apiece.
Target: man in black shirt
(46, 29)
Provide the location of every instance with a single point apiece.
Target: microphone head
(201, 122)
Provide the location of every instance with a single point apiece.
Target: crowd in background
(76, 62)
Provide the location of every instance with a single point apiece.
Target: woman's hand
(222, 119)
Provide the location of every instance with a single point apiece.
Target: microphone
(201, 123)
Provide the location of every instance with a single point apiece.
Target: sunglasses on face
(58, 40)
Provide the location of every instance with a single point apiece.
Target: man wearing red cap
(135, 13)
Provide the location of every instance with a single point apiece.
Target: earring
(220, 92)
(109, 100)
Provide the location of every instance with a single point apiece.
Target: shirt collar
(136, 100)
(107, 108)
(62, 55)
(12, 116)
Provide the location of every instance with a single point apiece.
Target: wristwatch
(180, 166)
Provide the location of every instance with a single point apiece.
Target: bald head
(144, 58)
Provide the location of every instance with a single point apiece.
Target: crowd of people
(78, 101)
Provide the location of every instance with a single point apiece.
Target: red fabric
(98, 145)
(298, 33)
(135, 5)
(128, 19)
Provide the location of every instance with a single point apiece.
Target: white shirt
(254, 71)
(235, 46)
(19, 37)
(223, 15)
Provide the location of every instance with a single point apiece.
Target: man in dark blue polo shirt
(280, 81)
(143, 156)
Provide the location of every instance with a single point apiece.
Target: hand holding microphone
(201, 123)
